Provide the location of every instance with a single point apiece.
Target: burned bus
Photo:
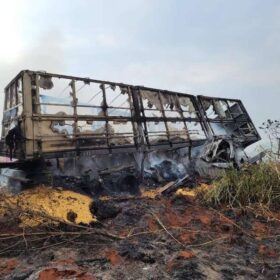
(78, 127)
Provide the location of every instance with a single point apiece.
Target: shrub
(253, 184)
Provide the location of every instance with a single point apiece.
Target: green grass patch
(253, 184)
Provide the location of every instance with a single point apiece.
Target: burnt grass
(141, 238)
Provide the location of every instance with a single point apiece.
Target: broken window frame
(234, 121)
(80, 138)
(134, 119)
(13, 102)
(163, 118)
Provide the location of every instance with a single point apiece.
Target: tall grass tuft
(253, 184)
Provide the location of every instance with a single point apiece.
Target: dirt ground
(172, 237)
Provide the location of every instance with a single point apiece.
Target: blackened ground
(140, 238)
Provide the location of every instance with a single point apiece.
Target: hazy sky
(226, 48)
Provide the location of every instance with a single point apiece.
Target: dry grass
(253, 185)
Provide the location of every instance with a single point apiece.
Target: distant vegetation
(271, 128)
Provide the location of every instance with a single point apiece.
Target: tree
(272, 130)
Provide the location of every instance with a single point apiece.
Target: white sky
(224, 48)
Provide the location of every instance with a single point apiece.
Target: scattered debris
(172, 186)
(170, 237)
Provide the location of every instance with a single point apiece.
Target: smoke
(47, 53)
